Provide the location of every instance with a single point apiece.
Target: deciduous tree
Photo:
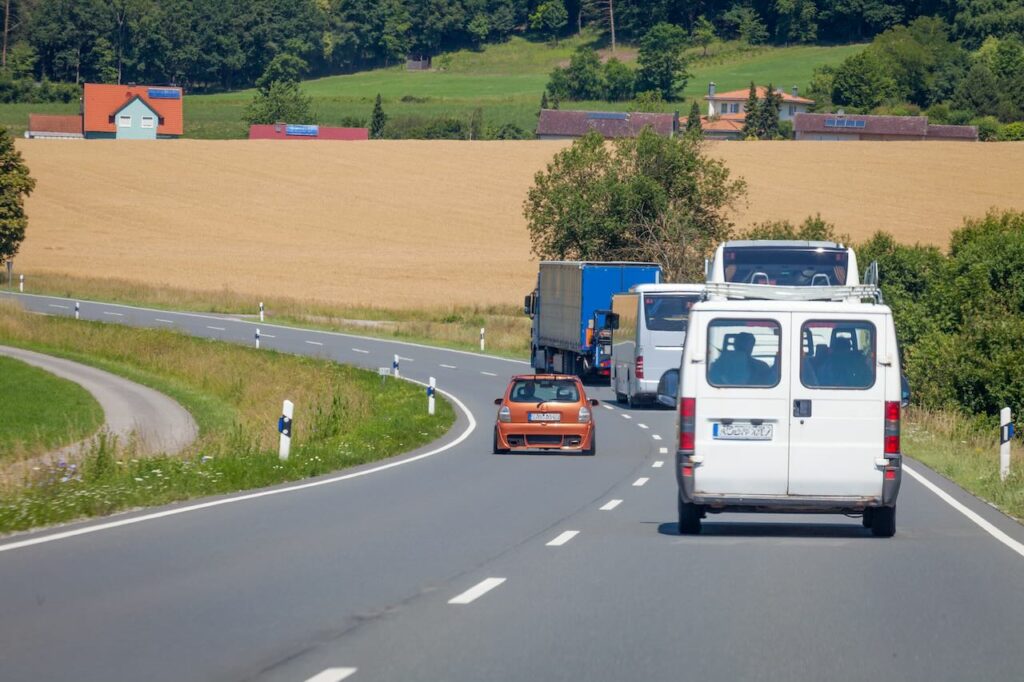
(15, 185)
(662, 64)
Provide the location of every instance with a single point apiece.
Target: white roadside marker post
(21, 284)
(257, 338)
(481, 339)
(284, 426)
(76, 310)
(394, 366)
(1005, 436)
(261, 311)
(431, 389)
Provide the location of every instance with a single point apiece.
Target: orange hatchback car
(545, 412)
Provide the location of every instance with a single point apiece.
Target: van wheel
(866, 519)
(883, 522)
(496, 450)
(689, 518)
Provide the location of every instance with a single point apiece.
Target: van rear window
(744, 353)
(667, 313)
(786, 265)
(837, 354)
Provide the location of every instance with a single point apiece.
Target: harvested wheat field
(412, 224)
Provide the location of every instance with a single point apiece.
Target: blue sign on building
(305, 131)
(164, 93)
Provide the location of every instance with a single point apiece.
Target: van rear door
(838, 404)
(742, 403)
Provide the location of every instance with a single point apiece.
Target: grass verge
(41, 412)
(344, 417)
(962, 451)
(458, 327)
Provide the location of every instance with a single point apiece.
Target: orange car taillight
(687, 423)
(640, 367)
(892, 427)
(504, 414)
(584, 415)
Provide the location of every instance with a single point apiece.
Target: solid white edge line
(563, 538)
(655, 436)
(315, 343)
(640, 481)
(973, 516)
(332, 675)
(611, 504)
(477, 591)
(251, 323)
(642, 426)
(658, 464)
(252, 496)
(662, 451)
(164, 321)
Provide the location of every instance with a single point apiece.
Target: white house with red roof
(721, 104)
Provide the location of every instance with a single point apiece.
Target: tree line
(222, 44)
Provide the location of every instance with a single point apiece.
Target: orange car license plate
(545, 417)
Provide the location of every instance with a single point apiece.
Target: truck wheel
(883, 522)
(620, 397)
(689, 518)
(866, 519)
(496, 450)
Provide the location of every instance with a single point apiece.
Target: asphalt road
(154, 422)
(463, 565)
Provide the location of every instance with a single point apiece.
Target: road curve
(157, 423)
(472, 566)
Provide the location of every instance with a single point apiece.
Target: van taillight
(687, 423)
(640, 367)
(892, 427)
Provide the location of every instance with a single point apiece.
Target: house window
(147, 122)
(792, 109)
(124, 121)
(735, 107)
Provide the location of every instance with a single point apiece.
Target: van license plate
(545, 417)
(742, 431)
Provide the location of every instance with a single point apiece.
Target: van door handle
(801, 408)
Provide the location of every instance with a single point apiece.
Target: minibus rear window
(744, 353)
(837, 354)
(667, 313)
(786, 265)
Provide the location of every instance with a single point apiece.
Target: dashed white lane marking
(57, 305)
(626, 416)
(314, 343)
(607, 406)
(658, 464)
(982, 523)
(332, 675)
(220, 329)
(662, 451)
(405, 359)
(655, 436)
(640, 481)
(160, 319)
(268, 336)
(611, 504)
(448, 366)
(563, 538)
(107, 312)
(477, 591)
(361, 350)
(642, 426)
(490, 374)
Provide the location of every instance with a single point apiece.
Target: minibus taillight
(687, 423)
(640, 367)
(892, 427)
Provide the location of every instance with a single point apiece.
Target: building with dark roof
(563, 124)
(285, 131)
(54, 127)
(865, 127)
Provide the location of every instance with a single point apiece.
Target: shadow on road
(773, 530)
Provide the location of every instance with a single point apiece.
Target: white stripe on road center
(268, 336)
(220, 329)
(640, 481)
(626, 416)
(607, 406)
(477, 591)
(57, 305)
(655, 436)
(490, 374)
(360, 350)
(662, 451)
(448, 366)
(332, 675)
(314, 343)
(642, 426)
(563, 538)
(658, 464)
(160, 319)
(612, 504)
(107, 312)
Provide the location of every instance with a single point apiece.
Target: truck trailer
(569, 309)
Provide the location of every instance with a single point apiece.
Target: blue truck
(569, 307)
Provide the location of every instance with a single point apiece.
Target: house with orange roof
(131, 112)
(734, 102)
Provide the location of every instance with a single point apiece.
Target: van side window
(744, 353)
(837, 354)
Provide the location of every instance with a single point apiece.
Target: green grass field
(41, 412)
(505, 81)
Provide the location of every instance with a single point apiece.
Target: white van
(648, 338)
(789, 405)
(784, 263)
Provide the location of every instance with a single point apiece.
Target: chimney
(711, 96)
(711, 89)
(796, 91)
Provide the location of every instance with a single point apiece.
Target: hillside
(414, 224)
(505, 80)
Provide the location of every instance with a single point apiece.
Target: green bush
(1012, 132)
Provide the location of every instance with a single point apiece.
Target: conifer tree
(544, 101)
(751, 123)
(378, 120)
(693, 120)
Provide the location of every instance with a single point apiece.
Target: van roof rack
(742, 290)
